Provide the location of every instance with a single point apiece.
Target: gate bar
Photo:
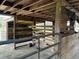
(35, 52)
(22, 39)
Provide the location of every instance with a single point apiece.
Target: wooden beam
(13, 6)
(33, 14)
(44, 28)
(29, 12)
(53, 25)
(48, 9)
(3, 2)
(27, 6)
(24, 22)
(14, 32)
(74, 1)
(42, 9)
(57, 25)
(40, 15)
(38, 7)
(52, 3)
(68, 6)
(41, 26)
(36, 15)
(24, 12)
(31, 18)
(48, 12)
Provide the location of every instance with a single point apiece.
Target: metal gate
(57, 54)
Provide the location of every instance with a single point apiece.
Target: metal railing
(22, 39)
(39, 49)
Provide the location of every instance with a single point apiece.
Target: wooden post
(34, 26)
(57, 25)
(14, 31)
(44, 29)
(53, 29)
(53, 34)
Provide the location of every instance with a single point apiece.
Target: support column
(14, 31)
(53, 27)
(44, 29)
(34, 26)
(57, 26)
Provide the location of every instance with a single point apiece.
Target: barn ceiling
(36, 8)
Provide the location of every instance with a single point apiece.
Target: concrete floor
(76, 56)
(76, 53)
(7, 52)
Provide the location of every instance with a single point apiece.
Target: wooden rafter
(74, 1)
(3, 2)
(39, 8)
(52, 3)
(76, 4)
(50, 11)
(69, 6)
(27, 6)
(34, 14)
(13, 6)
(46, 8)
(41, 15)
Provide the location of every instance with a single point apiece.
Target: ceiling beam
(24, 22)
(39, 8)
(75, 4)
(40, 15)
(33, 14)
(35, 8)
(40, 1)
(69, 6)
(31, 18)
(46, 8)
(48, 12)
(13, 6)
(24, 12)
(3, 2)
(52, 3)
(28, 12)
(27, 6)
(43, 9)
(75, 1)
